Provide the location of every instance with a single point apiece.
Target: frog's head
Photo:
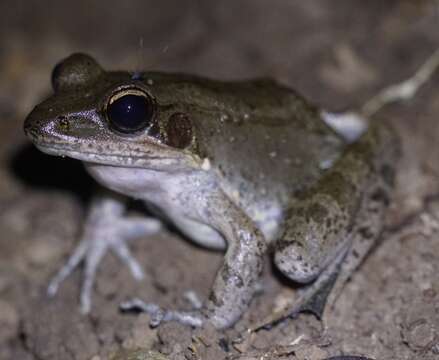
(110, 118)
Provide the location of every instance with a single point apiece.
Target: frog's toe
(92, 260)
(159, 315)
(91, 253)
(98, 240)
(124, 253)
(193, 299)
(75, 258)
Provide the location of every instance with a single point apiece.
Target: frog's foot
(105, 230)
(353, 123)
(312, 298)
(159, 315)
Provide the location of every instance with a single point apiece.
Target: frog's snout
(42, 129)
(33, 124)
(59, 128)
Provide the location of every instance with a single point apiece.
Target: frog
(247, 167)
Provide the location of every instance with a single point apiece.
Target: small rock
(420, 327)
(419, 334)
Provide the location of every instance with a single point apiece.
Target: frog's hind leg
(366, 230)
(322, 295)
(333, 225)
(106, 228)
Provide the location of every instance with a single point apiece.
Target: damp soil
(338, 54)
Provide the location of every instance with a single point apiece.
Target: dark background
(337, 53)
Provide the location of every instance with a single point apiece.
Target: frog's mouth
(159, 161)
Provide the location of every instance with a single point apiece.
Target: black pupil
(130, 113)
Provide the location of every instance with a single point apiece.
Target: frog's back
(265, 142)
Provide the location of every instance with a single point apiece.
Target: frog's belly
(199, 233)
(163, 193)
(264, 208)
(175, 197)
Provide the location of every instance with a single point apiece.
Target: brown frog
(248, 167)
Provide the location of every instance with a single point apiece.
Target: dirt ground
(337, 53)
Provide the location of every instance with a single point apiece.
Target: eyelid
(125, 92)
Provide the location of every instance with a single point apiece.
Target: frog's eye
(130, 111)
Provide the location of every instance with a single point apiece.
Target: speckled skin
(249, 166)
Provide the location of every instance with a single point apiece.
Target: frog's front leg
(106, 228)
(332, 226)
(237, 279)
